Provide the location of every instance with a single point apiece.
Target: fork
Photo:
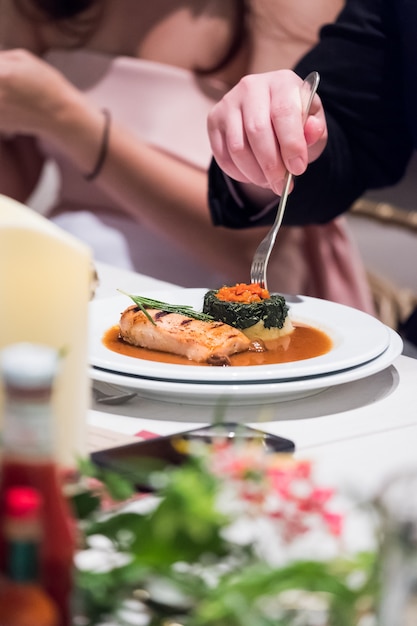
(263, 251)
(104, 393)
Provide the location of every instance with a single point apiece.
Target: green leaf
(119, 487)
(84, 504)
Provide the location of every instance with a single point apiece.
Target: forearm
(149, 185)
(153, 186)
(132, 172)
(172, 197)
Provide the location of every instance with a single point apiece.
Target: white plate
(357, 338)
(246, 393)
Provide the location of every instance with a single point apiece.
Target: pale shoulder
(197, 34)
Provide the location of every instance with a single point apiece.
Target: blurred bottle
(23, 601)
(28, 372)
(397, 550)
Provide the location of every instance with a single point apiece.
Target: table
(358, 433)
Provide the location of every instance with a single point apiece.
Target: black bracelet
(103, 148)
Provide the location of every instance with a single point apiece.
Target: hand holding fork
(263, 252)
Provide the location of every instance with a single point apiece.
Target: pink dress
(323, 261)
(157, 102)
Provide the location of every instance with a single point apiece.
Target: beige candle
(45, 281)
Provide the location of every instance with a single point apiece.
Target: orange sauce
(304, 342)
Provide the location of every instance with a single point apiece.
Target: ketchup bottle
(23, 601)
(28, 372)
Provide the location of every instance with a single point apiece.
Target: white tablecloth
(359, 433)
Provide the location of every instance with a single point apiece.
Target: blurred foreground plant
(236, 537)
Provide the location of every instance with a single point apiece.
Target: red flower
(278, 486)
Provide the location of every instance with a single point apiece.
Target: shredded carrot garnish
(243, 293)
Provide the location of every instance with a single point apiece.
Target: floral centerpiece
(234, 537)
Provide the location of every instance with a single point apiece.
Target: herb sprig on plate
(182, 309)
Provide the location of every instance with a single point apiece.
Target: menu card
(45, 282)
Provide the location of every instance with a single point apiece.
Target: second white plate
(244, 393)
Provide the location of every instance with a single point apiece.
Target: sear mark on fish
(194, 339)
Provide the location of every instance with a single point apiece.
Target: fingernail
(296, 165)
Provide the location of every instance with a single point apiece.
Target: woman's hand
(256, 131)
(32, 94)
(38, 101)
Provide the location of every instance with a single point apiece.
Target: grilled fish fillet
(194, 339)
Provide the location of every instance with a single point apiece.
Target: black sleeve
(362, 90)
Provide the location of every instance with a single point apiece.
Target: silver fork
(263, 251)
(104, 393)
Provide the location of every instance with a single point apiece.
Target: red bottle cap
(22, 502)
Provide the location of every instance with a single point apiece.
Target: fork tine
(262, 253)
